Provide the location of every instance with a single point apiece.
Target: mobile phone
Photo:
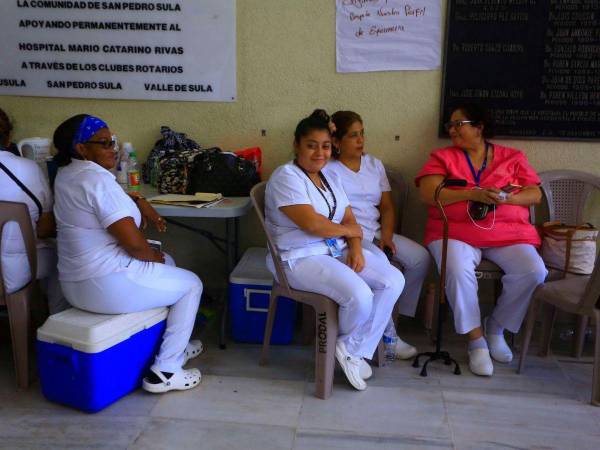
(155, 244)
(388, 252)
(507, 190)
(511, 187)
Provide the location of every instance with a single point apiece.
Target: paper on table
(202, 196)
(199, 200)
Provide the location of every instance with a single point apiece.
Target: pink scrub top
(512, 222)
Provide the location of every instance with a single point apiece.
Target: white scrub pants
(15, 269)
(523, 270)
(365, 299)
(140, 286)
(415, 260)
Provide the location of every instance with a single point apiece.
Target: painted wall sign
(146, 50)
(376, 35)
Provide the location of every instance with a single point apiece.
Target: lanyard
(327, 186)
(477, 175)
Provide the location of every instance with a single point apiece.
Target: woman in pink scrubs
(503, 235)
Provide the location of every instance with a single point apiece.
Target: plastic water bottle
(133, 171)
(389, 347)
(133, 174)
(115, 169)
(122, 165)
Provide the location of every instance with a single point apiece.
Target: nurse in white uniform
(366, 184)
(15, 265)
(310, 218)
(105, 264)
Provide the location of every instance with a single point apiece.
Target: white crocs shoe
(180, 381)
(192, 350)
(404, 350)
(365, 369)
(499, 349)
(480, 362)
(350, 365)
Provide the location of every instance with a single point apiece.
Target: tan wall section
(286, 68)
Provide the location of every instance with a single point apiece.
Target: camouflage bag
(174, 170)
(168, 163)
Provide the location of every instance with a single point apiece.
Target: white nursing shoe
(350, 365)
(480, 362)
(404, 350)
(499, 349)
(365, 369)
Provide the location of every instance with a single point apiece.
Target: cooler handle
(248, 292)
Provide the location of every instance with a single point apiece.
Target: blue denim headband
(88, 127)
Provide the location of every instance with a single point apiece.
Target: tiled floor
(241, 405)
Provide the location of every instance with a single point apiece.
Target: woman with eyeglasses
(105, 263)
(365, 181)
(311, 221)
(489, 218)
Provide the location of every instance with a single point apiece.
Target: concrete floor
(240, 405)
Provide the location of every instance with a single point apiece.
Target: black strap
(12, 148)
(327, 186)
(22, 186)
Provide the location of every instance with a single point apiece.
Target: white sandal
(180, 381)
(192, 350)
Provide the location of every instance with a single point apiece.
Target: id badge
(333, 247)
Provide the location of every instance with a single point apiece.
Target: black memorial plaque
(535, 64)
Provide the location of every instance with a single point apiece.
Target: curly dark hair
(318, 120)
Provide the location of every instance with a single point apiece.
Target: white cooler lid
(252, 268)
(92, 333)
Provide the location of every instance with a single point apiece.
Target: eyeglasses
(456, 124)
(104, 144)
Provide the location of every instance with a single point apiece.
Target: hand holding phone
(507, 189)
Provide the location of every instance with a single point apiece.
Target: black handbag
(222, 173)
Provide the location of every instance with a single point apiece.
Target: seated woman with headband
(310, 218)
(105, 263)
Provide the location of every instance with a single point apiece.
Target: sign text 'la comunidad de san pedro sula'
(146, 50)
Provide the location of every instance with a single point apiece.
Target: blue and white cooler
(250, 286)
(89, 361)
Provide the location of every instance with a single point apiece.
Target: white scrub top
(364, 189)
(87, 201)
(31, 175)
(288, 186)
